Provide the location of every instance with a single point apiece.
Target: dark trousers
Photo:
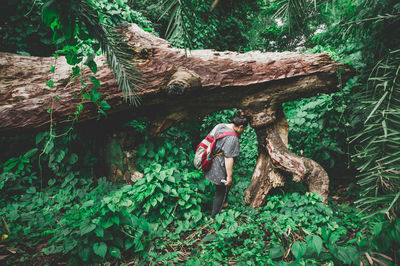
(221, 195)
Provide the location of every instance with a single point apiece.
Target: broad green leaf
(160, 197)
(86, 228)
(142, 150)
(171, 178)
(276, 252)
(316, 244)
(100, 249)
(95, 81)
(49, 146)
(115, 252)
(95, 95)
(48, 14)
(92, 65)
(162, 175)
(99, 231)
(299, 249)
(60, 156)
(76, 70)
(219, 218)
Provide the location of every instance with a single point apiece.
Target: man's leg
(221, 193)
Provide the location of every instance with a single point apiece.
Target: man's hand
(228, 180)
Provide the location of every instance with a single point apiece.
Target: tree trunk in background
(177, 87)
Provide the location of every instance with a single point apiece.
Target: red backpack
(204, 153)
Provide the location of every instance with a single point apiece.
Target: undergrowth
(66, 215)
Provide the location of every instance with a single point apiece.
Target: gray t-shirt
(229, 145)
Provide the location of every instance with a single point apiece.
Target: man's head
(240, 122)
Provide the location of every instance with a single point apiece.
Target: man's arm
(229, 170)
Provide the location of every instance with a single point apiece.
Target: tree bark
(177, 86)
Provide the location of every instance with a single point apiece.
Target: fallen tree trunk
(176, 88)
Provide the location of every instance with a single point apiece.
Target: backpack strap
(227, 133)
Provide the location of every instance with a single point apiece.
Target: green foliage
(86, 221)
(378, 143)
(318, 128)
(22, 30)
(192, 24)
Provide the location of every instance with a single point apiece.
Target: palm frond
(116, 50)
(294, 11)
(182, 16)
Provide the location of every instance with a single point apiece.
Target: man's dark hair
(240, 119)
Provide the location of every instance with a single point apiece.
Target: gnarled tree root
(275, 160)
(303, 169)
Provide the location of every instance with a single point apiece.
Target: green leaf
(73, 158)
(276, 252)
(171, 178)
(60, 156)
(93, 66)
(128, 244)
(161, 152)
(316, 244)
(142, 150)
(162, 175)
(84, 253)
(160, 197)
(50, 83)
(30, 153)
(299, 249)
(100, 249)
(76, 70)
(86, 228)
(49, 146)
(95, 95)
(99, 231)
(95, 81)
(105, 105)
(48, 14)
(40, 136)
(220, 218)
(86, 96)
(210, 238)
(115, 252)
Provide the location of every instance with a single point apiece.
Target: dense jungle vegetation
(55, 209)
